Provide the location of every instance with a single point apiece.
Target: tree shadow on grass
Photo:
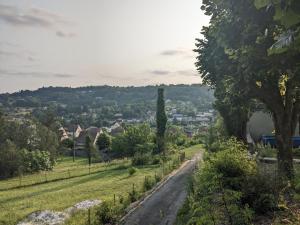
(88, 178)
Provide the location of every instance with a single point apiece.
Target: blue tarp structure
(270, 140)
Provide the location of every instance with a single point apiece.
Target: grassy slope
(15, 204)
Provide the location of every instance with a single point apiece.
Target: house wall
(261, 123)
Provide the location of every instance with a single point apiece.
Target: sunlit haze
(97, 42)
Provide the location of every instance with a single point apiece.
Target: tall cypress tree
(161, 121)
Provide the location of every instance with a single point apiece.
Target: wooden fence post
(89, 216)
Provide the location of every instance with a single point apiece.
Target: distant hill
(104, 101)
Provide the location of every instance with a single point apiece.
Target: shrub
(157, 177)
(133, 195)
(34, 161)
(296, 152)
(148, 183)
(215, 193)
(261, 192)
(104, 141)
(266, 151)
(131, 171)
(106, 214)
(140, 159)
(155, 159)
(10, 160)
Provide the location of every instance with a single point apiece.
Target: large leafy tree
(246, 35)
(231, 99)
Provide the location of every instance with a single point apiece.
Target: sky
(98, 42)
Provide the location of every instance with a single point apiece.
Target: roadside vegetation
(233, 187)
(249, 54)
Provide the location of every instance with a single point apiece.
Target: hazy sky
(96, 42)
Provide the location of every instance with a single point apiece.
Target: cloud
(172, 52)
(183, 52)
(34, 74)
(160, 72)
(63, 75)
(64, 35)
(7, 53)
(9, 44)
(19, 54)
(187, 73)
(30, 58)
(33, 17)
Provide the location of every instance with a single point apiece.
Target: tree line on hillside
(249, 53)
(99, 105)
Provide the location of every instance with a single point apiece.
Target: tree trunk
(299, 126)
(284, 145)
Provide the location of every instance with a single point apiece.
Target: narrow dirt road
(162, 206)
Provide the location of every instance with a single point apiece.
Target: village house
(93, 132)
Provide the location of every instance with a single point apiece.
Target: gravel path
(162, 206)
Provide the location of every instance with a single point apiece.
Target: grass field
(103, 183)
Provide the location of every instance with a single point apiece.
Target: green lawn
(103, 182)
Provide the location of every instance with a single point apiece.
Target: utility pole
(73, 143)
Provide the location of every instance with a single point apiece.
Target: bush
(10, 160)
(104, 141)
(156, 159)
(261, 192)
(157, 178)
(148, 183)
(132, 171)
(36, 161)
(296, 152)
(67, 143)
(266, 151)
(133, 195)
(136, 138)
(106, 214)
(140, 159)
(215, 193)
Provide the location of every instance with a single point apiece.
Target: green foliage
(176, 136)
(17, 162)
(26, 147)
(266, 151)
(219, 181)
(229, 188)
(140, 159)
(104, 141)
(234, 58)
(10, 160)
(136, 138)
(89, 148)
(35, 161)
(132, 170)
(161, 121)
(67, 143)
(149, 182)
(106, 214)
(133, 195)
(261, 192)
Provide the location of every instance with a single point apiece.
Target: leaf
(282, 43)
(258, 84)
(288, 18)
(262, 3)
